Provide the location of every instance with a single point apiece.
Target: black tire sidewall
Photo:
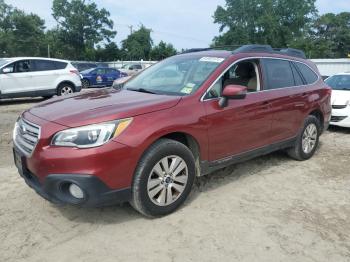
(162, 149)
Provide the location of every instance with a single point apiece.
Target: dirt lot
(268, 209)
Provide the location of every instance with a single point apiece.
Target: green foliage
(138, 45)
(162, 50)
(331, 36)
(20, 34)
(81, 25)
(274, 22)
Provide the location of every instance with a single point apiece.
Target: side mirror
(232, 92)
(7, 70)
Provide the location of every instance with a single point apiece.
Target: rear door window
(43, 65)
(277, 74)
(309, 75)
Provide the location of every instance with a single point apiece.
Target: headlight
(92, 135)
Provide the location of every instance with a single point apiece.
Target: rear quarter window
(309, 76)
(60, 65)
(44, 65)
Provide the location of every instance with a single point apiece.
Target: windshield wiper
(143, 90)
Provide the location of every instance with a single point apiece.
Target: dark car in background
(100, 77)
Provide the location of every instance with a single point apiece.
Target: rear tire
(65, 89)
(163, 178)
(307, 140)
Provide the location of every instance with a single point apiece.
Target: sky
(184, 23)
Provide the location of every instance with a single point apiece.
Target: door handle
(304, 95)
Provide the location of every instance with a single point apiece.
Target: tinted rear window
(310, 76)
(278, 74)
(60, 65)
(44, 65)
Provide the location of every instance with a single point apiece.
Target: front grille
(338, 106)
(337, 118)
(26, 136)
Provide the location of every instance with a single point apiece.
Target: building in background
(329, 67)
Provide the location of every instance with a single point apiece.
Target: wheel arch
(186, 139)
(319, 115)
(66, 82)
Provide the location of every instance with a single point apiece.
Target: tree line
(284, 23)
(83, 31)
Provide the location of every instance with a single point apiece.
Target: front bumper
(341, 117)
(54, 187)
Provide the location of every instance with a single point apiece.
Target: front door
(18, 79)
(243, 125)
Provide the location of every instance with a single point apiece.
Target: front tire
(307, 140)
(163, 178)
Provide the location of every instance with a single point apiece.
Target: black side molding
(209, 167)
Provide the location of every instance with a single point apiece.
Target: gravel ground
(271, 208)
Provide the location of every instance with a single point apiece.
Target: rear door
(285, 88)
(44, 74)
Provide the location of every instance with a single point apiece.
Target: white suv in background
(34, 76)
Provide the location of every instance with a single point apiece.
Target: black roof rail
(253, 48)
(267, 48)
(291, 52)
(193, 50)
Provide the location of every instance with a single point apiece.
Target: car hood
(100, 106)
(340, 97)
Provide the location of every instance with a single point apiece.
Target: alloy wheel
(167, 180)
(66, 90)
(309, 138)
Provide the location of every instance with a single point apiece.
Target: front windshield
(178, 75)
(4, 61)
(339, 82)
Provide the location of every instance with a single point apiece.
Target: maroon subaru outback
(184, 117)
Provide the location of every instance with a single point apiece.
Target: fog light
(76, 191)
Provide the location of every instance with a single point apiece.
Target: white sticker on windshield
(212, 59)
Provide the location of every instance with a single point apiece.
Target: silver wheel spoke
(169, 195)
(154, 182)
(181, 179)
(153, 192)
(165, 164)
(161, 198)
(158, 170)
(179, 188)
(181, 167)
(174, 164)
